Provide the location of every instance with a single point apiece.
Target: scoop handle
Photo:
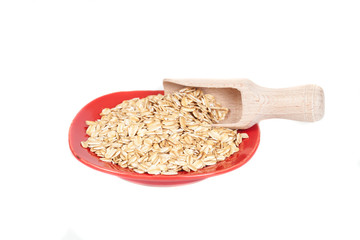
(302, 103)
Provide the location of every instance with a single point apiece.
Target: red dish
(91, 112)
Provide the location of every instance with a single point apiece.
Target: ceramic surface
(91, 112)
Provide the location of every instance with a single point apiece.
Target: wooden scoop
(249, 103)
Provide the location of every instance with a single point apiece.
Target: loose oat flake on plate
(163, 134)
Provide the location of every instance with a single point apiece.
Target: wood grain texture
(250, 103)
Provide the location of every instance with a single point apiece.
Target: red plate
(91, 112)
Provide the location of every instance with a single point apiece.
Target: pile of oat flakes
(163, 134)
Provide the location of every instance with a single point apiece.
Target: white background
(56, 56)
